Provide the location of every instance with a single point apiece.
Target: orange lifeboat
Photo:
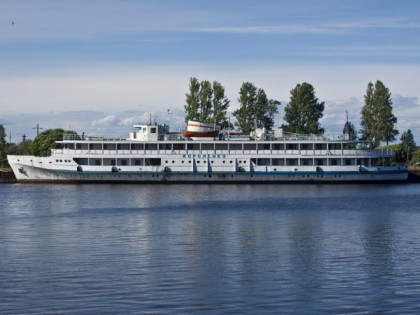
(196, 129)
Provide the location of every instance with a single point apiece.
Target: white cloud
(106, 121)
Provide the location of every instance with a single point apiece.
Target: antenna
(37, 129)
(347, 123)
(23, 138)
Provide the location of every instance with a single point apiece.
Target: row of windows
(207, 146)
(61, 161)
(205, 162)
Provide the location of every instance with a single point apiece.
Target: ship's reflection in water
(214, 248)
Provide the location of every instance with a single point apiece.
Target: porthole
(231, 162)
(173, 162)
(198, 162)
(166, 161)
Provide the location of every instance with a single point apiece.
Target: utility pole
(37, 129)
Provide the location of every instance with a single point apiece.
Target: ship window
(205, 162)
(198, 162)
(182, 162)
(144, 129)
(173, 161)
(153, 162)
(166, 161)
(152, 130)
(231, 162)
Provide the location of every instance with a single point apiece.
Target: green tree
(220, 105)
(2, 145)
(206, 95)
(378, 122)
(350, 130)
(408, 145)
(303, 111)
(416, 157)
(206, 102)
(22, 148)
(193, 101)
(255, 106)
(46, 141)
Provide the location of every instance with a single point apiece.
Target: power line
(37, 129)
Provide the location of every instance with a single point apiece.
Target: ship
(205, 154)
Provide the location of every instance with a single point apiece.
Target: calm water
(209, 248)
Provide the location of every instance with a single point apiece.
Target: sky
(100, 67)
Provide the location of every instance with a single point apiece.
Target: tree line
(206, 102)
(41, 145)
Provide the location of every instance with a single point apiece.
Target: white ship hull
(42, 169)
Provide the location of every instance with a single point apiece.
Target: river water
(306, 249)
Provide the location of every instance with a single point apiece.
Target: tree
(193, 101)
(22, 148)
(220, 105)
(2, 144)
(416, 157)
(206, 102)
(45, 141)
(303, 111)
(378, 122)
(255, 106)
(350, 130)
(408, 145)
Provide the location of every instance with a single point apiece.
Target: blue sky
(100, 66)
